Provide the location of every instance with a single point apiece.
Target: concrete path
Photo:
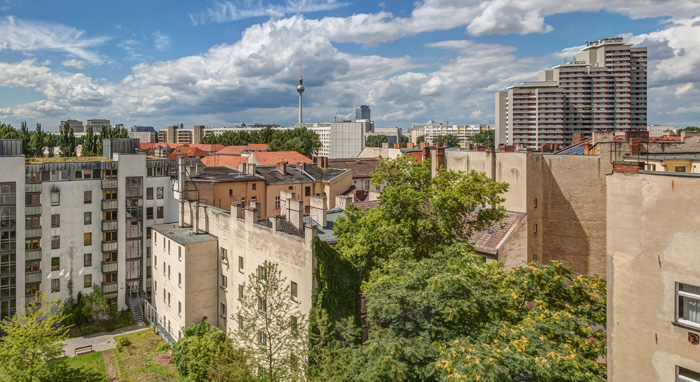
(99, 341)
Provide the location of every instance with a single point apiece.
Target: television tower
(300, 89)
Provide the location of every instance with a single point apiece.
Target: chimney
(586, 148)
(576, 138)
(629, 168)
(318, 209)
(295, 213)
(635, 146)
(397, 145)
(424, 144)
(195, 220)
(282, 167)
(301, 166)
(342, 201)
(440, 158)
(181, 189)
(409, 145)
(284, 196)
(426, 151)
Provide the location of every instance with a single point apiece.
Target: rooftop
(293, 175)
(223, 160)
(360, 167)
(490, 240)
(181, 235)
(221, 174)
(269, 158)
(326, 233)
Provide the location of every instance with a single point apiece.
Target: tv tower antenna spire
(300, 89)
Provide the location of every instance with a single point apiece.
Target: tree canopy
(450, 140)
(301, 139)
(487, 138)
(376, 140)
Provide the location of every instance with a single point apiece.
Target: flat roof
(182, 235)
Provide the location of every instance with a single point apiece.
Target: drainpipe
(181, 188)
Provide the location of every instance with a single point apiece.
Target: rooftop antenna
(300, 89)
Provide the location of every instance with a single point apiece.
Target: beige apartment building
(604, 88)
(177, 134)
(653, 255)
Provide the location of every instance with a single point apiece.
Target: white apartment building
(340, 139)
(243, 127)
(605, 88)
(85, 222)
(97, 124)
(659, 130)
(432, 130)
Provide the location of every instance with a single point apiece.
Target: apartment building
(76, 125)
(432, 130)
(341, 139)
(604, 88)
(653, 275)
(178, 134)
(97, 124)
(85, 223)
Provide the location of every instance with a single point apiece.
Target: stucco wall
(513, 253)
(653, 242)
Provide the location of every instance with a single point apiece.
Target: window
(241, 290)
(179, 279)
(650, 167)
(294, 291)
(224, 255)
(159, 193)
(679, 169)
(33, 200)
(148, 232)
(110, 216)
(240, 264)
(8, 220)
(222, 310)
(8, 217)
(110, 195)
(262, 274)
(165, 295)
(688, 298)
(179, 253)
(148, 272)
(149, 193)
(262, 305)
(534, 204)
(32, 289)
(55, 285)
(79, 174)
(168, 302)
(55, 221)
(179, 308)
(685, 375)
(87, 238)
(230, 193)
(294, 325)
(110, 257)
(242, 202)
(307, 191)
(87, 218)
(262, 339)
(32, 266)
(29, 244)
(253, 199)
(307, 210)
(223, 281)
(55, 263)
(149, 213)
(110, 237)
(55, 242)
(240, 322)
(535, 229)
(87, 281)
(168, 272)
(254, 186)
(87, 259)
(55, 198)
(277, 203)
(159, 212)
(87, 197)
(168, 247)
(164, 268)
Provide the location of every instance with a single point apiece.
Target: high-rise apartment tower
(605, 88)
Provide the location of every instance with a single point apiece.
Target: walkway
(99, 341)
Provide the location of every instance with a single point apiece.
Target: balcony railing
(32, 187)
(109, 267)
(32, 210)
(34, 254)
(109, 225)
(109, 184)
(110, 288)
(109, 204)
(32, 278)
(32, 232)
(111, 246)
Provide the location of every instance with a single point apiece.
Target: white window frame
(685, 378)
(679, 294)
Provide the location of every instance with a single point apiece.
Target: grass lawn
(125, 320)
(91, 367)
(141, 361)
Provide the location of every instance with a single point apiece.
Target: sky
(221, 63)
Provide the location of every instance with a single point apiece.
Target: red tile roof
(361, 167)
(257, 146)
(271, 158)
(187, 152)
(231, 150)
(223, 160)
(208, 148)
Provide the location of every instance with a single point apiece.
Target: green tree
(376, 140)
(487, 138)
(67, 141)
(418, 214)
(420, 139)
(271, 326)
(95, 304)
(206, 353)
(30, 347)
(455, 317)
(89, 143)
(37, 143)
(334, 354)
(301, 140)
(451, 141)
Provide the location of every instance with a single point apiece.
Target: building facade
(432, 130)
(660, 130)
(97, 124)
(76, 125)
(85, 223)
(362, 113)
(605, 88)
(341, 139)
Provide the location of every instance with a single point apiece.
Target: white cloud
(225, 11)
(78, 64)
(33, 36)
(160, 41)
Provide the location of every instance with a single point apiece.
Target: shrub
(122, 342)
(164, 347)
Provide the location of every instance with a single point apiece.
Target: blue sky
(220, 63)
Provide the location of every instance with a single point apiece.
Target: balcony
(110, 288)
(32, 187)
(32, 232)
(109, 184)
(109, 204)
(109, 225)
(109, 267)
(111, 246)
(34, 254)
(32, 210)
(31, 278)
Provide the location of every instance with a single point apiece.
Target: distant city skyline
(220, 63)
